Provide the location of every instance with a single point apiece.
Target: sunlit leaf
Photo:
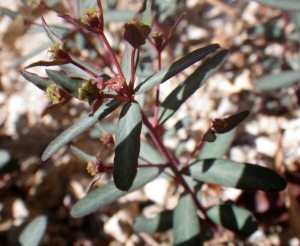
(234, 218)
(186, 222)
(170, 71)
(187, 88)
(236, 175)
(108, 193)
(127, 145)
(82, 155)
(79, 127)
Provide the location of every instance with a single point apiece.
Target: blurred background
(260, 75)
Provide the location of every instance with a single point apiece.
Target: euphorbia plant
(135, 162)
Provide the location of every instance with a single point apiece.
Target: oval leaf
(160, 223)
(170, 71)
(234, 218)
(237, 175)
(181, 93)
(70, 85)
(40, 82)
(79, 127)
(33, 232)
(127, 145)
(277, 81)
(186, 222)
(108, 193)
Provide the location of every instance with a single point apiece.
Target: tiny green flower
(53, 94)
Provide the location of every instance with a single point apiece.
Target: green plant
(136, 162)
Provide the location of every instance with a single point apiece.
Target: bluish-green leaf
(8, 12)
(187, 88)
(70, 85)
(40, 82)
(126, 64)
(71, 69)
(53, 37)
(79, 127)
(127, 145)
(219, 147)
(170, 71)
(33, 232)
(148, 153)
(160, 223)
(277, 81)
(287, 5)
(117, 16)
(88, 66)
(186, 222)
(82, 155)
(236, 175)
(236, 219)
(108, 193)
(146, 15)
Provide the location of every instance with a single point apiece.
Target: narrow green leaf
(186, 222)
(181, 93)
(32, 53)
(287, 5)
(145, 15)
(108, 193)
(160, 223)
(126, 65)
(40, 82)
(148, 153)
(236, 219)
(82, 155)
(70, 85)
(277, 81)
(127, 145)
(79, 127)
(33, 232)
(71, 69)
(236, 175)
(219, 147)
(170, 71)
(53, 37)
(8, 12)
(88, 66)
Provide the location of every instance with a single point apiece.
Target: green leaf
(88, 66)
(287, 5)
(170, 71)
(181, 93)
(108, 193)
(117, 16)
(32, 53)
(53, 37)
(186, 222)
(79, 127)
(48, 63)
(40, 82)
(160, 223)
(82, 155)
(127, 145)
(33, 232)
(71, 69)
(126, 65)
(219, 147)
(70, 85)
(93, 181)
(277, 81)
(236, 175)
(9, 13)
(145, 14)
(148, 153)
(236, 219)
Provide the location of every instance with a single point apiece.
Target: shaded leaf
(288, 5)
(277, 81)
(70, 85)
(181, 93)
(236, 219)
(40, 82)
(108, 193)
(219, 147)
(170, 71)
(160, 223)
(8, 12)
(133, 35)
(186, 222)
(82, 155)
(148, 153)
(209, 136)
(71, 69)
(33, 232)
(145, 13)
(236, 175)
(127, 145)
(79, 127)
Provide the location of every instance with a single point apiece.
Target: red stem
(198, 146)
(84, 69)
(157, 103)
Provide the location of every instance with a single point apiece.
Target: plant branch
(157, 88)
